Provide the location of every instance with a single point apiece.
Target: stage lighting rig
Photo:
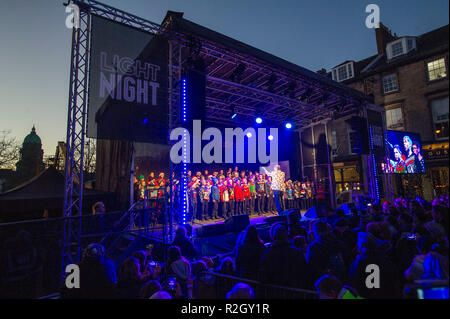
(270, 84)
(236, 76)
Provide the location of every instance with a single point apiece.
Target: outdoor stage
(202, 75)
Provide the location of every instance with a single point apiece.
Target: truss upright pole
(76, 124)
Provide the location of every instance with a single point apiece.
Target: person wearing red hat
(246, 197)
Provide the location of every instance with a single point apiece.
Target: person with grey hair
(277, 186)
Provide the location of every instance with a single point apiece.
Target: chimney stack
(322, 71)
(383, 36)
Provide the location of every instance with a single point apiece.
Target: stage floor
(254, 220)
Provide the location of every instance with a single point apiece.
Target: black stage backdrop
(128, 80)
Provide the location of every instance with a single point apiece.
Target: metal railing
(45, 240)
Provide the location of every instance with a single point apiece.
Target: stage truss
(260, 88)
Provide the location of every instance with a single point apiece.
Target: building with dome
(31, 157)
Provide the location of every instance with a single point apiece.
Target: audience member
(327, 254)
(186, 247)
(283, 264)
(249, 254)
(241, 291)
(330, 287)
(130, 279)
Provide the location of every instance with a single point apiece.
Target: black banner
(128, 84)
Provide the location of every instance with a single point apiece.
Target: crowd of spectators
(406, 239)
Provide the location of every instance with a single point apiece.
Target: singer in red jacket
(238, 197)
(246, 195)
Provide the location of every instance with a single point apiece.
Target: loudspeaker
(275, 219)
(288, 211)
(188, 230)
(196, 94)
(236, 223)
(211, 230)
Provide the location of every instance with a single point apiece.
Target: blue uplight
(258, 120)
(288, 125)
(184, 189)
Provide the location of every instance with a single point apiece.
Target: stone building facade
(408, 77)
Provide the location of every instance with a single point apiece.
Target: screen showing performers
(403, 153)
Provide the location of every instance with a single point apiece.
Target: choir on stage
(221, 195)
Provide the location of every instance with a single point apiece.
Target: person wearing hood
(326, 254)
(385, 273)
(283, 264)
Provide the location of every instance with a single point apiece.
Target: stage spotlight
(233, 112)
(288, 126)
(258, 120)
(249, 134)
(270, 137)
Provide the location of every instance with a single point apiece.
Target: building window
(343, 72)
(334, 144)
(397, 49)
(400, 46)
(394, 119)
(410, 44)
(436, 69)
(368, 86)
(439, 110)
(390, 83)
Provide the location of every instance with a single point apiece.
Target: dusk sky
(35, 47)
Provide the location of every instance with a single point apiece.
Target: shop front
(435, 181)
